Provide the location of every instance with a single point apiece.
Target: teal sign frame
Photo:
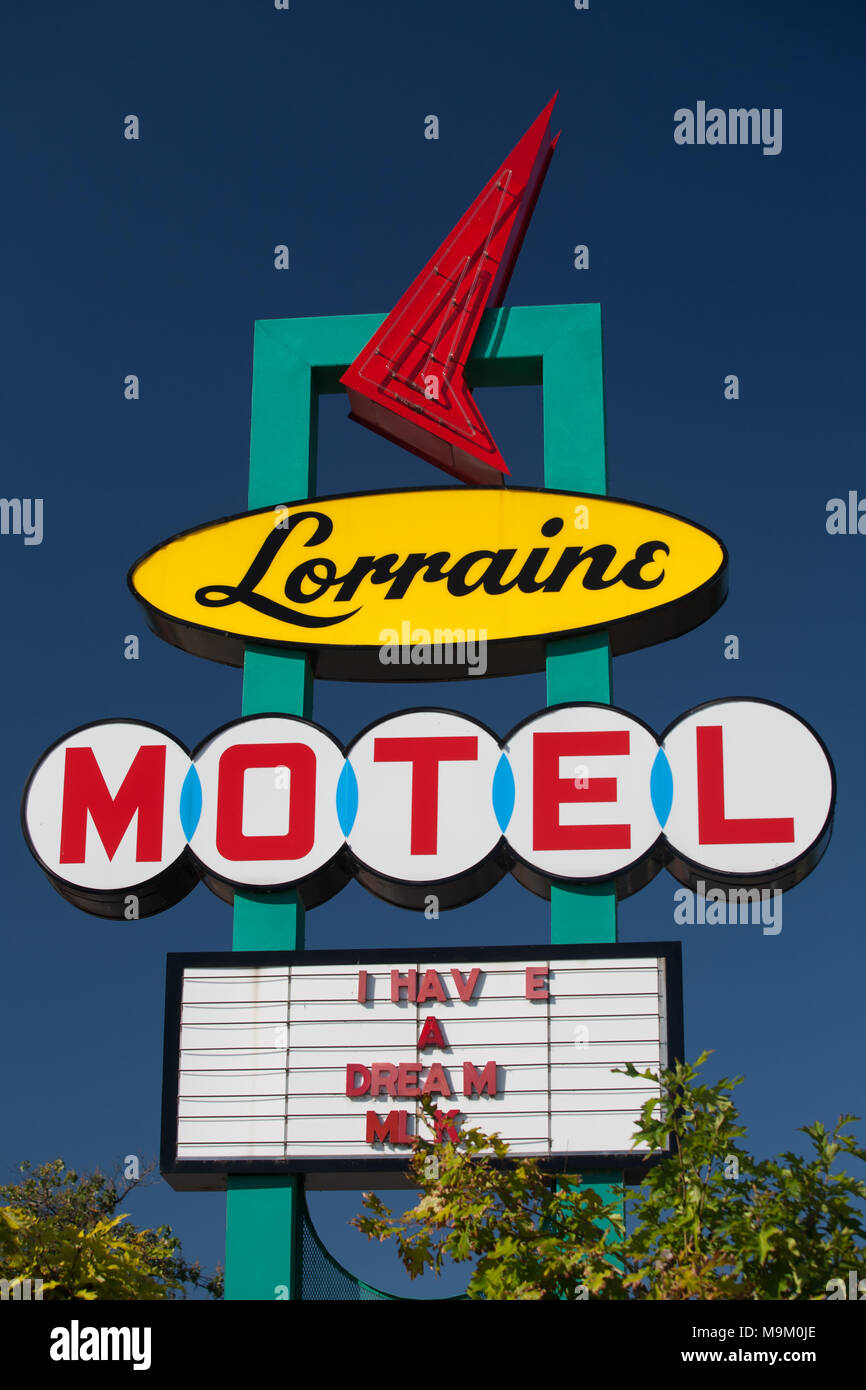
(295, 361)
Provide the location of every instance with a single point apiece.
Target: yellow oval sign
(407, 584)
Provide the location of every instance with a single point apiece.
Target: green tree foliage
(710, 1222)
(65, 1230)
(528, 1241)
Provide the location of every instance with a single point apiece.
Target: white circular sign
(266, 804)
(101, 812)
(752, 794)
(425, 812)
(583, 808)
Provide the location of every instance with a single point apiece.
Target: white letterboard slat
(237, 1129)
(604, 1054)
(235, 1013)
(308, 1129)
(225, 1107)
(233, 1059)
(232, 1153)
(229, 1037)
(624, 1028)
(234, 1082)
(246, 989)
(258, 1047)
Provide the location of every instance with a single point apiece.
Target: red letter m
(479, 1081)
(142, 790)
(388, 1129)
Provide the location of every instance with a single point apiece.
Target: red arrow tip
(408, 383)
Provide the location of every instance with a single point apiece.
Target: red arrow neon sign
(408, 383)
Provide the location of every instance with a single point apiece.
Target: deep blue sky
(155, 257)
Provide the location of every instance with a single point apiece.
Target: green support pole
(263, 1214)
(579, 669)
(294, 361)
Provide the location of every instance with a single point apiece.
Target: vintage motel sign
(281, 1062)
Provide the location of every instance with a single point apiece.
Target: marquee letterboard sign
(317, 1062)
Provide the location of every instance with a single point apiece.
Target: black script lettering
(458, 583)
(630, 574)
(386, 570)
(380, 570)
(599, 557)
(320, 572)
(316, 577)
(527, 580)
(414, 564)
(221, 595)
(494, 575)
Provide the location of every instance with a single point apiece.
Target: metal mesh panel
(323, 1277)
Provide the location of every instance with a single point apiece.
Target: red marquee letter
(408, 1079)
(479, 1081)
(437, 1082)
(442, 1127)
(466, 988)
(431, 987)
(431, 1035)
(390, 1129)
(399, 982)
(355, 1087)
(536, 982)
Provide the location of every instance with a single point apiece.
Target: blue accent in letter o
(503, 792)
(661, 787)
(347, 798)
(190, 803)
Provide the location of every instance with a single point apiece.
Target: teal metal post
(294, 360)
(579, 669)
(263, 1214)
